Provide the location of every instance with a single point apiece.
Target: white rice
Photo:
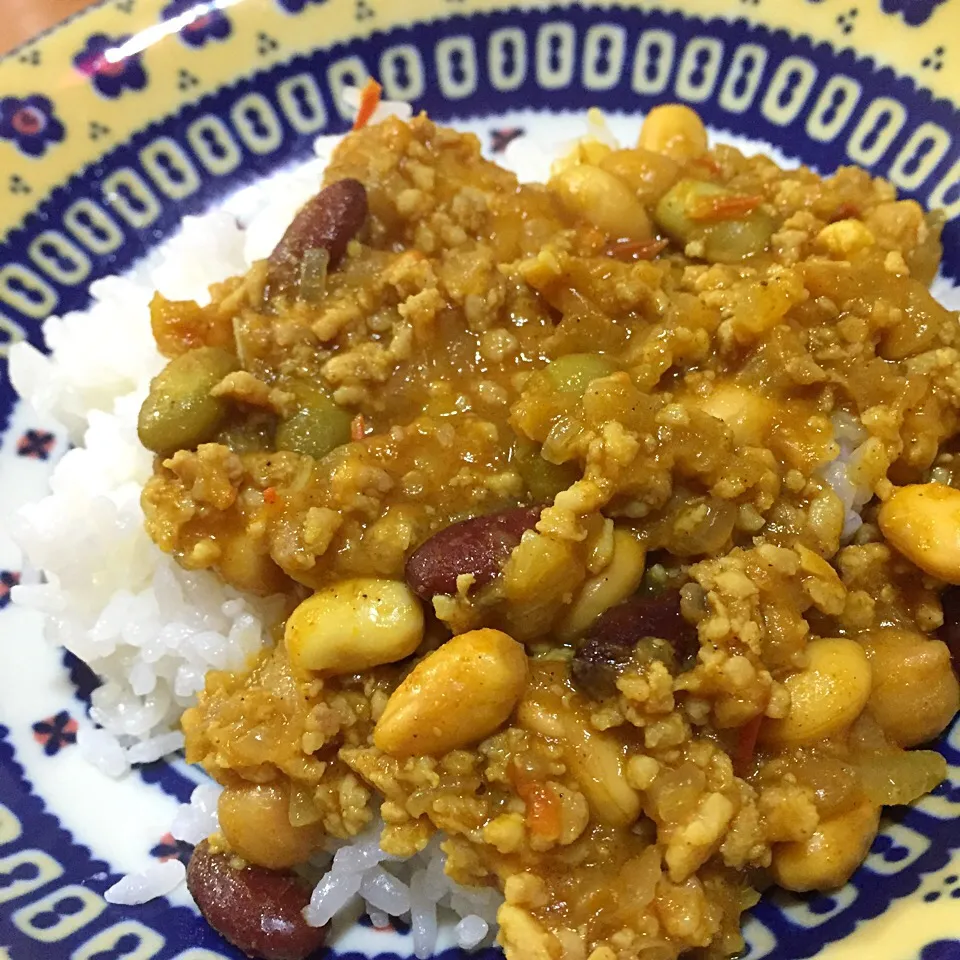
(197, 820)
(157, 880)
(842, 472)
(150, 629)
(416, 888)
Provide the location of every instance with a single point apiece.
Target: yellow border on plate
(884, 37)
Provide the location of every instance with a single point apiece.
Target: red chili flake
(358, 427)
(746, 746)
(270, 495)
(636, 249)
(369, 101)
(723, 208)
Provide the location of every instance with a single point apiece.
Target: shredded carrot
(270, 495)
(636, 249)
(358, 427)
(543, 804)
(369, 101)
(723, 208)
(746, 746)
(543, 809)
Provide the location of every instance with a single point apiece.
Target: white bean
(354, 625)
(457, 695)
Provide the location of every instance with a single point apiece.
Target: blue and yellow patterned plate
(116, 124)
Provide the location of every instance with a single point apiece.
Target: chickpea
(179, 413)
(617, 581)
(746, 413)
(826, 697)
(456, 696)
(827, 860)
(255, 822)
(354, 625)
(915, 691)
(922, 521)
(245, 563)
(675, 130)
(602, 200)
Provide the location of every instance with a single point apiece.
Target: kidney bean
(949, 633)
(479, 546)
(609, 644)
(327, 221)
(256, 909)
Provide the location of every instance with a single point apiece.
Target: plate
(137, 112)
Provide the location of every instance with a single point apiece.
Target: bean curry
(613, 519)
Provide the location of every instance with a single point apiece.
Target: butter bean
(255, 822)
(922, 521)
(456, 696)
(179, 413)
(826, 697)
(354, 625)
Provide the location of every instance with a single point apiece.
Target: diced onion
(901, 776)
(313, 274)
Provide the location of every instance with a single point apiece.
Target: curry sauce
(625, 437)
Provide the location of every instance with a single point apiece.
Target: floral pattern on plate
(110, 68)
(30, 123)
(199, 26)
